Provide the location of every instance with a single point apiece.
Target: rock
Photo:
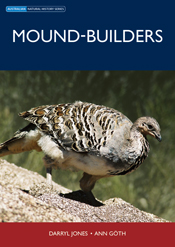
(25, 197)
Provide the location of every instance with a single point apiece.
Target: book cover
(109, 55)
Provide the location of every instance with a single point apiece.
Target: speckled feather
(81, 127)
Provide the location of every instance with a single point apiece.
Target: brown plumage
(98, 140)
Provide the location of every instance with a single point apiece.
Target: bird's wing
(82, 127)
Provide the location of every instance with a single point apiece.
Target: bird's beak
(158, 137)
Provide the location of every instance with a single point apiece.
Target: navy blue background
(83, 15)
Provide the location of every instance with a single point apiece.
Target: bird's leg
(87, 183)
(49, 175)
(48, 162)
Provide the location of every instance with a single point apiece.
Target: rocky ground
(25, 197)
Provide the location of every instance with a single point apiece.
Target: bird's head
(149, 126)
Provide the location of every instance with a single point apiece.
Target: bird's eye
(150, 126)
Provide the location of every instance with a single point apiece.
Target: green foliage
(135, 93)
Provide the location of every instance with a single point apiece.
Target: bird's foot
(92, 200)
(81, 196)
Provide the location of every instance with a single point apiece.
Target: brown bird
(98, 140)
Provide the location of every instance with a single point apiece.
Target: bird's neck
(135, 157)
(138, 146)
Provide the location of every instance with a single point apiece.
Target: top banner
(88, 35)
(35, 9)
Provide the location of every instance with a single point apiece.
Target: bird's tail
(23, 140)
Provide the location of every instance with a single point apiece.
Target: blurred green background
(134, 93)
